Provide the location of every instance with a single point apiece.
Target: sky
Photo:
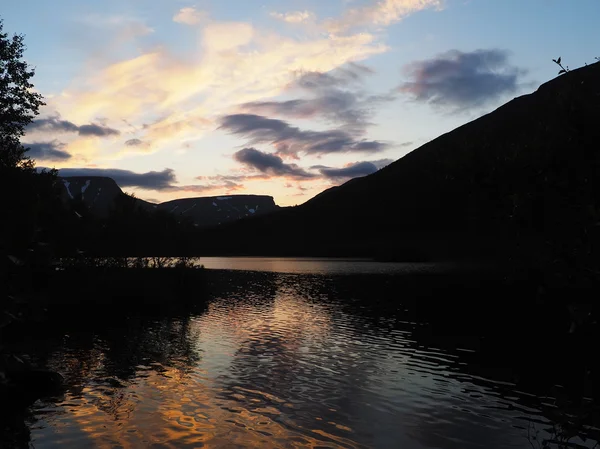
(178, 98)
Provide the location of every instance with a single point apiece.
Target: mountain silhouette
(521, 178)
(98, 194)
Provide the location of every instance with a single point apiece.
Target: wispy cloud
(291, 141)
(270, 163)
(459, 80)
(337, 96)
(379, 13)
(171, 98)
(294, 16)
(116, 29)
(190, 16)
(179, 97)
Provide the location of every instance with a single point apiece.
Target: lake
(312, 265)
(293, 353)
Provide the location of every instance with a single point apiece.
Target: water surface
(316, 265)
(284, 361)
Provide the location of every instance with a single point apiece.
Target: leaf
(554, 60)
(562, 71)
(558, 62)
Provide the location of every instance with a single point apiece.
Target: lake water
(308, 265)
(294, 355)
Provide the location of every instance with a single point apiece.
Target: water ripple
(286, 361)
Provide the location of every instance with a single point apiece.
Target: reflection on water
(276, 360)
(314, 265)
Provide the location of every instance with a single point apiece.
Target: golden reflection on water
(277, 362)
(174, 407)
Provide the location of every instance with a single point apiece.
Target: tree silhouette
(19, 104)
(30, 201)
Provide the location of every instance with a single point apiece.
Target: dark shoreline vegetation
(519, 188)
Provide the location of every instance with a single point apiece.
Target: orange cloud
(168, 100)
(379, 13)
(181, 98)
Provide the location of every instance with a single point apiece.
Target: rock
(21, 388)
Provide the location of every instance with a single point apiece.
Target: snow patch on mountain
(85, 186)
(67, 184)
(189, 209)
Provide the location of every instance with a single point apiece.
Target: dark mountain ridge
(98, 194)
(521, 178)
(216, 210)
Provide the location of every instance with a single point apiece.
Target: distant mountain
(526, 174)
(99, 193)
(213, 211)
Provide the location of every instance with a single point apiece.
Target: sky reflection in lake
(275, 360)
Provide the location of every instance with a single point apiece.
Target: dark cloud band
(55, 124)
(152, 180)
(47, 151)
(270, 163)
(291, 140)
(164, 180)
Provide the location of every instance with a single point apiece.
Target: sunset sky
(176, 98)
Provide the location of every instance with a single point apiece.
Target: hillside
(522, 178)
(213, 211)
(96, 192)
(98, 195)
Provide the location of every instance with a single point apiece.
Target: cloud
(294, 16)
(138, 143)
(182, 96)
(460, 80)
(163, 181)
(269, 163)
(225, 182)
(152, 180)
(353, 170)
(47, 151)
(290, 140)
(100, 37)
(56, 125)
(121, 28)
(340, 76)
(97, 130)
(189, 16)
(336, 96)
(236, 63)
(379, 13)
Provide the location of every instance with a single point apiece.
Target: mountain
(99, 193)
(213, 211)
(524, 177)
